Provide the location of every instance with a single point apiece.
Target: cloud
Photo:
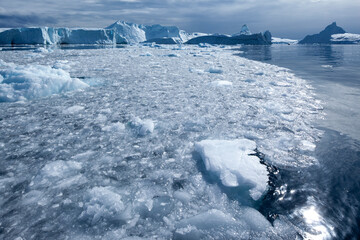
(284, 18)
(19, 20)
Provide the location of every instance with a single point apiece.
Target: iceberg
(122, 32)
(324, 36)
(234, 164)
(46, 35)
(135, 33)
(253, 39)
(345, 38)
(276, 40)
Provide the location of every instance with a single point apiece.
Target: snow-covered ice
(119, 159)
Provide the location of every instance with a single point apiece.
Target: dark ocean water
(334, 184)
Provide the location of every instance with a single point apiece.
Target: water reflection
(318, 227)
(329, 54)
(285, 54)
(256, 52)
(324, 199)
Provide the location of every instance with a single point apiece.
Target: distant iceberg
(47, 35)
(119, 32)
(324, 36)
(253, 39)
(276, 40)
(135, 33)
(122, 32)
(345, 38)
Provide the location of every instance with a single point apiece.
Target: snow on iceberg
(19, 83)
(232, 162)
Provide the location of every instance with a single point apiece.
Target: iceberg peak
(244, 31)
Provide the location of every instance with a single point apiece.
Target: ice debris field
(147, 142)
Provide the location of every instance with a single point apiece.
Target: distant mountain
(324, 36)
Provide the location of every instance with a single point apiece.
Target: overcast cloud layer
(291, 18)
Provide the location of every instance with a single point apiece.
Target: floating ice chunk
(73, 109)
(60, 168)
(60, 173)
(230, 160)
(222, 83)
(114, 127)
(104, 203)
(215, 70)
(327, 66)
(211, 219)
(143, 127)
(255, 220)
(34, 81)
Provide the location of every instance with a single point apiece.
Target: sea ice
(71, 170)
(232, 162)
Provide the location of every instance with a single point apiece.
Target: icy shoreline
(118, 160)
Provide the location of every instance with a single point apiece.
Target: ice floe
(235, 164)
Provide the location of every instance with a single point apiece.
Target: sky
(288, 19)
